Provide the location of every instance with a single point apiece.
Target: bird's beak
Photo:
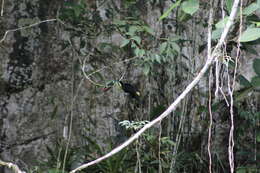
(105, 89)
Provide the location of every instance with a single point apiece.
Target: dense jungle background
(79, 77)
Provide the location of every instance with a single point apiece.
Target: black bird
(130, 89)
(126, 87)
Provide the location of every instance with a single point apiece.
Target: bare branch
(2, 8)
(173, 106)
(25, 27)
(12, 166)
(231, 93)
(209, 55)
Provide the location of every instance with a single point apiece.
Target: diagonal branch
(26, 27)
(14, 167)
(173, 106)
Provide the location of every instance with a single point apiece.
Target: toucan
(130, 89)
(126, 87)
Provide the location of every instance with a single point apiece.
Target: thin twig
(223, 94)
(210, 126)
(231, 132)
(159, 148)
(178, 136)
(87, 76)
(25, 27)
(231, 89)
(210, 77)
(2, 8)
(122, 76)
(138, 162)
(173, 106)
(12, 166)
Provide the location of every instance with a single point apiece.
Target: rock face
(45, 97)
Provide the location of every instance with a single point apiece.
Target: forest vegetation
(130, 86)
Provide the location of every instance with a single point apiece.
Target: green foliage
(247, 170)
(256, 66)
(258, 135)
(133, 30)
(81, 19)
(55, 162)
(222, 23)
(250, 34)
(121, 162)
(136, 125)
(229, 4)
(190, 6)
(251, 9)
(149, 152)
(167, 13)
(243, 81)
(157, 110)
(167, 52)
(216, 33)
(256, 81)
(73, 12)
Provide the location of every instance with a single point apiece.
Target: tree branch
(26, 27)
(12, 166)
(173, 106)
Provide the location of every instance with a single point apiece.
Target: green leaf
(258, 138)
(229, 4)
(222, 23)
(54, 112)
(137, 39)
(176, 47)
(190, 6)
(256, 66)
(256, 81)
(257, 24)
(149, 30)
(217, 33)
(243, 81)
(132, 30)
(146, 69)
(163, 47)
(250, 34)
(250, 9)
(243, 93)
(158, 58)
(241, 170)
(167, 13)
(139, 52)
(125, 42)
(119, 22)
(78, 9)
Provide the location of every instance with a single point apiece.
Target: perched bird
(126, 87)
(130, 89)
